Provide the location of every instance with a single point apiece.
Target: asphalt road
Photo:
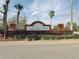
(39, 51)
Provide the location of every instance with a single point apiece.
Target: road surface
(39, 51)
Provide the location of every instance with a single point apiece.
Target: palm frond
(51, 13)
(18, 6)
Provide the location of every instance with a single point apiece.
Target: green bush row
(45, 37)
(59, 37)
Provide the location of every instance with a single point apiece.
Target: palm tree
(19, 8)
(5, 6)
(51, 14)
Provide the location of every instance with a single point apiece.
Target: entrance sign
(38, 26)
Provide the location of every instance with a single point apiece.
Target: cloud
(1, 2)
(35, 12)
(40, 9)
(47, 5)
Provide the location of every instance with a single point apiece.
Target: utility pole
(71, 26)
(5, 7)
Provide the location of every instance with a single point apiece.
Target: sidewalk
(70, 41)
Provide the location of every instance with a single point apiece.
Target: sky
(37, 10)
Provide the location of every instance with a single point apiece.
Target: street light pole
(71, 26)
(5, 6)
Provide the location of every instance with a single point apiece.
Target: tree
(22, 21)
(56, 27)
(5, 6)
(51, 14)
(1, 23)
(69, 24)
(19, 8)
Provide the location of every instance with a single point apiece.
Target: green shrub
(46, 38)
(33, 37)
(20, 36)
(29, 38)
(36, 37)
